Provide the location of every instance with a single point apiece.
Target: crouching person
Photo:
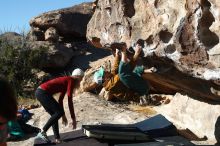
(44, 94)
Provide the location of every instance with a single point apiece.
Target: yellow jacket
(116, 87)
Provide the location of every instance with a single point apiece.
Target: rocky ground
(90, 109)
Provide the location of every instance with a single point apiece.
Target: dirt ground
(89, 109)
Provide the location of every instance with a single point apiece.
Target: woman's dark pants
(53, 108)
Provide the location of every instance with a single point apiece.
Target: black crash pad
(157, 126)
(146, 130)
(73, 138)
(115, 133)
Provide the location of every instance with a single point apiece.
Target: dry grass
(146, 110)
(27, 101)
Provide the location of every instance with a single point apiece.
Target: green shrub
(17, 62)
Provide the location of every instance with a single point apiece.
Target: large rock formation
(58, 31)
(180, 38)
(57, 55)
(70, 22)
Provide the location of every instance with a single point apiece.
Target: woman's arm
(61, 99)
(116, 63)
(138, 50)
(64, 119)
(72, 112)
(3, 144)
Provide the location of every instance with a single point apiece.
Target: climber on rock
(125, 81)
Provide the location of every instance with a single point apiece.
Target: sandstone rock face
(59, 30)
(35, 34)
(182, 34)
(70, 22)
(57, 56)
(201, 118)
(51, 34)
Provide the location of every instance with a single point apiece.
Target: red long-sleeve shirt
(61, 85)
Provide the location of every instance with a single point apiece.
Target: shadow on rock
(92, 54)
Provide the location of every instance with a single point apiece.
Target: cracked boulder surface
(69, 22)
(181, 38)
(60, 32)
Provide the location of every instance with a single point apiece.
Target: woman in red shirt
(44, 94)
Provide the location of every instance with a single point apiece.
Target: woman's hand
(124, 47)
(150, 70)
(64, 120)
(117, 52)
(73, 124)
(138, 49)
(153, 69)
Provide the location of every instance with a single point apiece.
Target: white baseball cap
(78, 72)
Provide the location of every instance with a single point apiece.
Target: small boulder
(51, 34)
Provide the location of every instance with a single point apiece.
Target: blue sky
(15, 14)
